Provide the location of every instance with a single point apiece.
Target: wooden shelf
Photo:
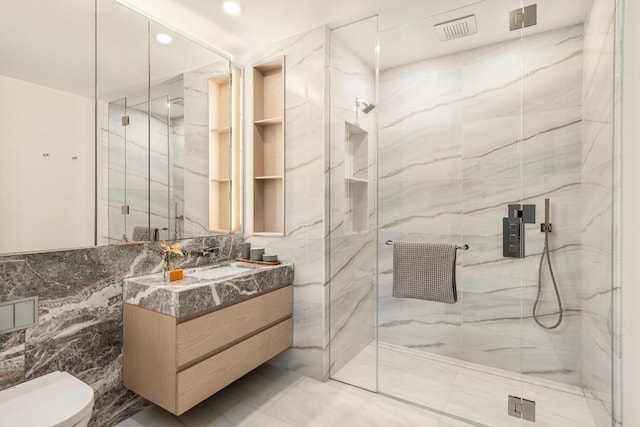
(224, 164)
(268, 148)
(226, 129)
(267, 122)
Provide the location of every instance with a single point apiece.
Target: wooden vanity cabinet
(177, 363)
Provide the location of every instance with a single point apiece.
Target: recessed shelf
(356, 191)
(356, 180)
(221, 130)
(270, 121)
(268, 148)
(220, 161)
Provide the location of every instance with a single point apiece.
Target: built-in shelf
(268, 148)
(224, 151)
(356, 180)
(270, 121)
(356, 167)
(225, 129)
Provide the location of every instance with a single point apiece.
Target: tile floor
(273, 397)
(474, 392)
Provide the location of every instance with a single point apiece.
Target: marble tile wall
(450, 161)
(196, 149)
(303, 243)
(597, 215)
(351, 242)
(80, 326)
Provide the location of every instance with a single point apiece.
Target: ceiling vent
(456, 28)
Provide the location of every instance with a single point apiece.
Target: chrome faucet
(210, 251)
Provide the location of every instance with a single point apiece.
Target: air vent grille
(457, 28)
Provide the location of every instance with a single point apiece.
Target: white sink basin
(216, 273)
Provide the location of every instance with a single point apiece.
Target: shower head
(367, 107)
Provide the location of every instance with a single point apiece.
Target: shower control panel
(513, 229)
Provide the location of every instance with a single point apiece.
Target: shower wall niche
(356, 178)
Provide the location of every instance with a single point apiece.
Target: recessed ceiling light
(164, 38)
(232, 8)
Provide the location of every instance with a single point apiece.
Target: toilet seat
(57, 399)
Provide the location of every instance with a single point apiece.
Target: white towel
(425, 271)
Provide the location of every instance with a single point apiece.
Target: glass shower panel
(116, 170)
(160, 168)
(567, 148)
(351, 258)
(137, 172)
(502, 141)
(491, 271)
(448, 167)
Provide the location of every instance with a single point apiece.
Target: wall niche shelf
(268, 148)
(356, 182)
(224, 152)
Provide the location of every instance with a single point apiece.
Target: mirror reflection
(157, 106)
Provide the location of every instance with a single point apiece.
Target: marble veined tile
(402, 151)
(270, 396)
(468, 390)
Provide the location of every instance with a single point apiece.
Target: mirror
(153, 102)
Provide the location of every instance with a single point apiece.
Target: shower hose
(545, 254)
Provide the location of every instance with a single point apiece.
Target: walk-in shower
(464, 130)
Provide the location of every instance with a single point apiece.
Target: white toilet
(57, 399)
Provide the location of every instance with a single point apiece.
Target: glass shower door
(448, 167)
(504, 145)
(351, 243)
(160, 167)
(137, 172)
(117, 171)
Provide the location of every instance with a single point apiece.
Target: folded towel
(424, 271)
(144, 233)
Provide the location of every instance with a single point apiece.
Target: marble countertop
(193, 295)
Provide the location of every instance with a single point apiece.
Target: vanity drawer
(207, 377)
(206, 334)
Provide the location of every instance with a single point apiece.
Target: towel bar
(463, 247)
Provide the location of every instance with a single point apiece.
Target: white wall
(45, 202)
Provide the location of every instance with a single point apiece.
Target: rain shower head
(367, 107)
